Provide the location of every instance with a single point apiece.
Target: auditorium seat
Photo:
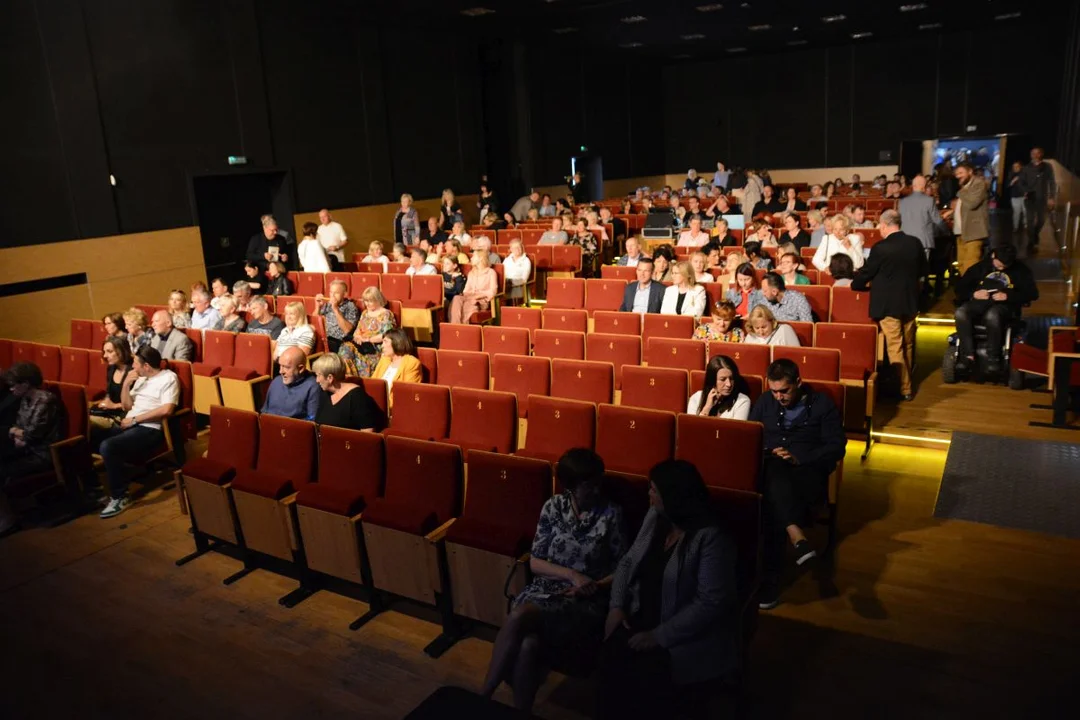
(97, 375)
(820, 298)
(460, 368)
(564, 344)
(522, 317)
(424, 310)
(556, 425)
(361, 281)
(666, 326)
(727, 453)
(588, 380)
(22, 351)
(196, 338)
(491, 539)
(618, 272)
(655, 388)
(309, 283)
(82, 334)
(183, 424)
(672, 353)
(351, 473)
(739, 513)
(244, 383)
(568, 320)
(521, 375)
(396, 287)
(617, 323)
(619, 350)
(378, 390)
(455, 336)
(47, 358)
(420, 411)
(565, 262)
(751, 359)
(814, 363)
(857, 345)
(601, 294)
(484, 420)
(429, 359)
(566, 293)
(850, 306)
(837, 393)
(97, 338)
(218, 351)
(804, 331)
(75, 365)
(632, 440)
(505, 341)
(70, 455)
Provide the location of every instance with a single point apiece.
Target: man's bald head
(918, 183)
(161, 322)
(291, 364)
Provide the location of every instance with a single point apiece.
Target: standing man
(332, 237)
(971, 217)
(892, 273)
(1016, 195)
(270, 246)
(521, 208)
(1040, 191)
(918, 216)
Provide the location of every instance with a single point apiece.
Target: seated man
(643, 295)
(262, 322)
(858, 218)
(204, 317)
(173, 344)
(294, 393)
(633, 253)
(785, 305)
(607, 218)
(418, 264)
(149, 395)
(993, 290)
(242, 293)
(804, 440)
(556, 235)
(483, 244)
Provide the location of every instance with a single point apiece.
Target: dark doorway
(227, 207)
(591, 168)
(911, 158)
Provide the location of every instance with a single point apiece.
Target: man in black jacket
(768, 205)
(994, 291)
(803, 441)
(892, 273)
(643, 295)
(269, 246)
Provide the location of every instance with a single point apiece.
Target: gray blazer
(919, 217)
(177, 346)
(698, 623)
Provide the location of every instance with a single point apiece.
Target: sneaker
(768, 596)
(116, 506)
(803, 552)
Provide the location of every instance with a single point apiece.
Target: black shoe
(963, 364)
(768, 595)
(908, 398)
(803, 552)
(994, 367)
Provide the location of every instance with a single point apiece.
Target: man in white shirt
(858, 218)
(418, 264)
(204, 317)
(220, 289)
(332, 237)
(149, 395)
(633, 253)
(556, 235)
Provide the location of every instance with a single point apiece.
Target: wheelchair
(979, 370)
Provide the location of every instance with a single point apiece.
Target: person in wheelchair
(991, 293)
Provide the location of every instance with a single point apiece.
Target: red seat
(751, 359)
(671, 353)
(814, 363)
(633, 440)
(75, 365)
(310, 284)
(253, 354)
(361, 281)
(804, 331)
(196, 338)
(427, 292)
(617, 323)
(218, 351)
(460, 368)
(557, 425)
(522, 317)
(850, 306)
(820, 299)
(97, 375)
(727, 453)
(22, 351)
(286, 460)
(568, 293)
(619, 350)
(655, 388)
(424, 487)
(378, 391)
(566, 258)
(618, 272)
(234, 444)
(397, 267)
(483, 420)
(857, 345)
(601, 294)
(429, 359)
(523, 376)
(560, 319)
(420, 411)
(504, 340)
(453, 336)
(318, 324)
(97, 340)
(341, 489)
(559, 344)
(396, 287)
(47, 358)
(186, 423)
(667, 326)
(82, 334)
(588, 380)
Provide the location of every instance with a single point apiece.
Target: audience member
(617, 225)
(375, 255)
(332, 238)
(663, 258)
(722, 328)
(746, 293)
(418, 264)
(694, 236)
(721, 177)
(297, 331)
(643, 295)
(294, 392)
(842, 270)
(892, 273)
(592, 222)
(762, 328)
(172, 344)
(762, 233)
(840, 240)
(482, 245)
(434, 234)
(279, 283)
(118, 359)
(672, 630)
(590, 247)
(262, 321)
(818, 227)
(547, 208)
(793, 233)
(788, 268)
(360, 345)
(344, 405)
(481, 287)
(254, 277)
(406, 222)
(340, 312)
(313, 256)
(792, 203)
(453, 280)
(178, 309)
(971, 217)
(518, 270)
(397, 254)
(724, 393)
(768, 205)
(1040, 194)
(693, 210)
(560, 613)
(205, 317)
(919, 217)
(521, 208)
(243, 292)
(786, 305)
(721, 236)
(457, 232)
(398, 361)
(231, 320)
(685, 296)
(721, 207)
(219, 290)
(114, 325)
(149, 396)
(135, 323)
(816, 199)
(556, 235)
(269, 246)
(804, 440)
(858, 218)
(452, 248)
(633, 253)
(697, 265)
(488, 204)
(449, 210)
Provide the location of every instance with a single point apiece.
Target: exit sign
(237, 160)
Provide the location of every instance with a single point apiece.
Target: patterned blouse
(137, 342)
(590, 543)
(39, 418)
(349, 311)
(706, 332)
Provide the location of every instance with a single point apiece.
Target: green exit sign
(237, 160)
(584, 149)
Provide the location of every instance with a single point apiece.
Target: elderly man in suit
(918, 216)
(892, 273)
(643, 295)
(633, 253)
(971, 217)
(173, 344)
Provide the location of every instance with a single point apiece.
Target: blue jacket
(817, 440)
(656, 297)
(299, 400)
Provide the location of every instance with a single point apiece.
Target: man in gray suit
(919, 217)
(173, 344)
(633, 253)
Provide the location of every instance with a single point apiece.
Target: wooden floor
(921, 619)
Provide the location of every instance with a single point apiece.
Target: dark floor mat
(1008, 482)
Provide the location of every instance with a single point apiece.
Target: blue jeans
(120, 447)
(1018, 212)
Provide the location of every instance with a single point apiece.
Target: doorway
(227, 207)
(591, 168)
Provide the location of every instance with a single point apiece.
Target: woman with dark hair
(829, 190)
(722, 328)
(110, 410)
(744, 295)
(398, 361)
(114, 325)
(792, 203)
(948, 185)
(449, 210)
(724, 394)
(560, 613)
(663, 258)
(842, 270)
(754, 256)
(671, 630)
(793, 232)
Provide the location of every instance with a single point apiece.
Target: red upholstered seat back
(253, 353)
(234, 437)
(352, 459)
(727, 453)
(424, 474)
(484, 419)
(506, 490)
(458, 368)
(219, 348)
(287, 447)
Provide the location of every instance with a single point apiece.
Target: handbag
(366, 348)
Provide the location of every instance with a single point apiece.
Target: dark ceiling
(693, 29)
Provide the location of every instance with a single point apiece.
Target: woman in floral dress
(560, 613)
(362, 352)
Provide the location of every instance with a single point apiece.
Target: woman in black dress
(109, 410)
(344, 405)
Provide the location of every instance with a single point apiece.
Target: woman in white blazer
(840, 240)
(685, 296)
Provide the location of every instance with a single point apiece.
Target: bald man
(294, 392)
(173, 344)
(919, 217)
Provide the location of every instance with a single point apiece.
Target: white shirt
(425, 269)
(330, 235)
(957, 227)
(389, 375)
(299, 336)
(312, 256)
(632, 261)
(831, 245)
(464, 238)
(517, 269)
(784, 334)
(739, 411)
(693, 305)
(686, 239)
(150, 393)
(705, 277)
(209, 320)
(381, 259)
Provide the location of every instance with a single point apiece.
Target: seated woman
(452, 248)
(398, 360)
(362, 351)
(722, 328)
(755, 257)
(178, 309)
(842, 270)
(592, 218)
(344, 405)
(24, 447)
(481, 287)
(560, 614)
(763, 329)
(453, 279)
(788, 268)
(136, 324)
(109, 410)
(663, 257)
(747, 287)
(115, 325)
(375, 255)
(297, 331)
(254, 279)
(398, 254)
(231, 320)
(792, 203)
(627, 207)
(672, 630)
(839, 240)
(685, 296)
(714, 257)
(697, 264)
(311, 253)
(518, 270)
(793, 233)
(279, 283)
(724, 394)
(763, 234)
(721, 236)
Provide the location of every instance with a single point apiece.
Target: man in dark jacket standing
(993, 291)
(1040, 191)
(803, 441)
(892, 273)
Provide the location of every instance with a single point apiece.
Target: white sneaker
(116, 506)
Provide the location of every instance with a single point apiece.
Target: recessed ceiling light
(564, 30)
(793, 43)
(477, 11)
(758, 28)
(913, 7)
(794, 28)
(736, 50)
(930, 26)
(682, 56)
(631, 45)
(694, 36)
(745, 5)
(833, 18)
(631, 19)
(860, 35)
(1007, 16)
(711, 7)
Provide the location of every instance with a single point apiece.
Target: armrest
(439, 533)
(871, 390)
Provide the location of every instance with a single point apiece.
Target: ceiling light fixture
(477, 11)
(913, 7)
(758, 28)
(682, 56)
(694, 36)
(833, 18)
(930, 26)
(1007, 16)
(860, 35)
(630, 45)
(631, 19)
(794, 43)
(711, 7)
(564, 30)
(736, 50)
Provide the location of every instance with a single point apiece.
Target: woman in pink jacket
(480, 288)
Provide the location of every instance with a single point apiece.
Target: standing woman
(481, 287)
(109, 410)
(449, 211)
(724, 394)
(406, 222)
(487, 202)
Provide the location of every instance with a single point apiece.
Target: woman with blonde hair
(685, 296)
(406, 222)
(136, 323)
(375, 255)
(361, 352)
(178, 309)
(231, 320)
(344, 405)
(481, 287)
(452, 248)
(839, 240)
(297, 331)
(764, 329)
(449, 211)
(698, 260)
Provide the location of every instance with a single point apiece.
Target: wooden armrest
(1071, 356)
(439, 533)
(871, 389)
(181, 412)
(68, 442)
(289, 499)
(260, 379)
